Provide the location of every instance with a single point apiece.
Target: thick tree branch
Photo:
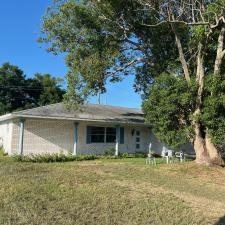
(175, 22)
(181, 54)
(211, 26)
(220, 52)
(200, 74)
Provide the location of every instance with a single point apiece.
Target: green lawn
(116, 192)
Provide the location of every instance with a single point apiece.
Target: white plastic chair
(180, 155)
(150, 159)
(170, 156)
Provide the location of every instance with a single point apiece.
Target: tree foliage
(99, 48)
(213, 115)
(169, 108)
(175, 49)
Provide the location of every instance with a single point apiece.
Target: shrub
(2, 152)
(124, 155)
(140, 154)
(109, 152)
(50, 158)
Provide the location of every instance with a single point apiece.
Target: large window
(103, 135)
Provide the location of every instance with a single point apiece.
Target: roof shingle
(87, 112)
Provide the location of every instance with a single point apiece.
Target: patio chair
(164, 152)
(170, 156)
(180, 155)
(150, 159)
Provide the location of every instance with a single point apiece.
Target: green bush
(109, 152)
(61, 157)
(2, 152)
(140, 154)
(125, 155)
(50, 158)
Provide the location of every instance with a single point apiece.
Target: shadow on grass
(221, 221)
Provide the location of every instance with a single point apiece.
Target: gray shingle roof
(89, 112)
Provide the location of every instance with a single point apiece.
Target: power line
(26, 88)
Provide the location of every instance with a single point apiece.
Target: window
(110, 135)
(137, 139)
(97, 134)
(137, 146)
(103, 135)
(138, 133)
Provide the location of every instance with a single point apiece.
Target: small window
(138, 133)
(137, 139)
(137, 146)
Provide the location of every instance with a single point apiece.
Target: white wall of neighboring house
(6, 135)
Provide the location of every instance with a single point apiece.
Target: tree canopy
(18, 92)
(175, 49)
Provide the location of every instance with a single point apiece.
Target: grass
(110, 192)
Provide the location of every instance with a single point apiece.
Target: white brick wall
(54, 136)
(44, 136)
(6, 135)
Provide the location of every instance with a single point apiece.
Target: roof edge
(78, 119)
(109, 106)
(6, 117)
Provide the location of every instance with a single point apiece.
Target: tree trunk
(206, 151)
(214, 153)
(202, 155)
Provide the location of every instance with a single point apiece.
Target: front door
(138, 140)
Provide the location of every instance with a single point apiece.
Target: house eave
(6, 117)
(109, 121)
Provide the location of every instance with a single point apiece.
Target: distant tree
(51, 89)
(17, 92)
(13, 95)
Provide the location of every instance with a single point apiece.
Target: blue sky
(20, 26)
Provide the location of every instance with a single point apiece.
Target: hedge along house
(91, 130)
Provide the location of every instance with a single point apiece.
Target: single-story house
(92, 129)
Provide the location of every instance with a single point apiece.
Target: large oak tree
(175, 48)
